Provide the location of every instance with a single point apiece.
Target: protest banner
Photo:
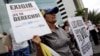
(82, 38)
(26, 21)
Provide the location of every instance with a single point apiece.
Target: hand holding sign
(36, 39)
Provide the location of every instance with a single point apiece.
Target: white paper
(81, 35)
(26, 21)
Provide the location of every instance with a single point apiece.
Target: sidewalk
(96, 49)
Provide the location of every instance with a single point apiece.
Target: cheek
(54, 18)
(48, 19)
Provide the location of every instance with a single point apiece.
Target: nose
(53, 14)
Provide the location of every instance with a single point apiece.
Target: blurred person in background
(92, 32)
(3, 46)
(19, 49)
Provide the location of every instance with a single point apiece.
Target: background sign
(26, 20)
(78, 27)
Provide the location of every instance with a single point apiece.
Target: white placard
(78, 27)
(26, 21)
(90, 25)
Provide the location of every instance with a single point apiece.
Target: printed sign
(26, 21)
(80, 32)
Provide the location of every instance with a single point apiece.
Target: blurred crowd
(61, 39)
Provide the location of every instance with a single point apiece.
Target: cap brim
(54, 10)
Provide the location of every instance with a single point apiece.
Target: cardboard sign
(80, 32)
(26, 21)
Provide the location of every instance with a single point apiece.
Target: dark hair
(4, 33)
(65, 24)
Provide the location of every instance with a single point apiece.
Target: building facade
(78, 4)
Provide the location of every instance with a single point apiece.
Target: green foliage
(94, 16)
(79, 12)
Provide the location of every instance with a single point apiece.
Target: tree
(80, 12)
(94, 16)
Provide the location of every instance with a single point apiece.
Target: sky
(41, 4)
(92, 4)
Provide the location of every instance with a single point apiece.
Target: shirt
(58, 41)
(17, 46)
(3, 47)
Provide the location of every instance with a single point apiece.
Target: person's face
(67, 24)
(50, 18)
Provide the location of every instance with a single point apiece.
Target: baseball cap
(49, 11)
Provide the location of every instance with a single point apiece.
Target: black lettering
(78, 35)
(25, 17)
(11, 7)
(20, 13)
(21, 6)
(15, 18)
(83, 32)
(22, 18)
(29, 16)
(79, 22)
(19, 19)
(15, 14)
(15, 7)
(74, 24)
(86, 47)
(30, 5)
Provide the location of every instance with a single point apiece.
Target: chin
(54, 21)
